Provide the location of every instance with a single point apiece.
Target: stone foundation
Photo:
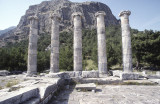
(117, 73)
(129, 76)
(158, 73)
(17, 97)
(37, 91)
(90, 74)
(74, 74)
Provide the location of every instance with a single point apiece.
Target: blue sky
(145, 13)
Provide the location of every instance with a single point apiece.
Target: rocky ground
(110, 94)
(8, 81)
(145, 90)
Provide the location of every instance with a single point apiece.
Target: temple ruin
(44, 88)
(54, 58)
(32, 46)
(77, 16)
(77, 45)
(101, 38)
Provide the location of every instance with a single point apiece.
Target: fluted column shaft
(126, 41)
(32, 47)
(101, 39)
(77, 41)
(54, 58)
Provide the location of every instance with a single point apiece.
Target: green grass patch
(90, 65)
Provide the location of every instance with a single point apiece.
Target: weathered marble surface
(110, 94)
(54, 58)
(77, 45)
(129, 76)
(88, 86)
(102, 81)
(101, 39)
(90, 74)
(17, 97)
(158, 73)
(33, 90)
(116, 73)
(32, 47)
(126, 41)
(4, 72)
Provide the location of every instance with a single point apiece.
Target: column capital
(55, 16)
(76, 14)
(100, 13)
(127, 12)
(32, 18)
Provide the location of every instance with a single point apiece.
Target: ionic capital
(76, 14)
(100, 13)
(125, 13)
(55, 16)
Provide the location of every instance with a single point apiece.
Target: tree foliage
(145, 48)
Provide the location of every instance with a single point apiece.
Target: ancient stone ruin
(126, 41)
(32, 46)
(102, 57)
(54, 59)
(77, 16)
(77, 23)
(42, 88)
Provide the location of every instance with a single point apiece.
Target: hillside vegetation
(145, 48)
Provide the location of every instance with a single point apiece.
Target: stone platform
(86, 87)
(110, 94)
(107, 80)
(40, 89)
(35, 90)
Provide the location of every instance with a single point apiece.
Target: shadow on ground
(62, 96)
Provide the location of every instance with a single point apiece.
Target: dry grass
(117, 67)
(1, 88)
(137, 83)
(11, 83)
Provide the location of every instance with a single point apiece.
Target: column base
(54, 71)
(31, 74)
(55, 75)
(129, 76)
(78, 73)
(90, 74)
(102, 75)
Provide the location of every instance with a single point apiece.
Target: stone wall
(33, 91)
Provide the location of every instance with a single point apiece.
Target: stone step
(101, 81)
(139, 82)
(88, 87)
(114, 81)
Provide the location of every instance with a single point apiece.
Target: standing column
(101, 39)
(32, 47)
(54, 58)
(77, 41)
(126, 41)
